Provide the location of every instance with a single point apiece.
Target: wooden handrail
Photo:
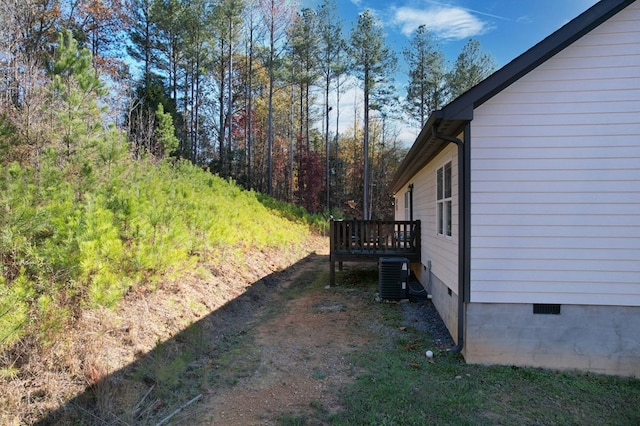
(355, 240)
(355, 235)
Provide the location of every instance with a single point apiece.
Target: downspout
(463, 221)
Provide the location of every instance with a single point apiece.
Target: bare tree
(277, 16)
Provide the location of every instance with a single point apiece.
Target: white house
(528, 190)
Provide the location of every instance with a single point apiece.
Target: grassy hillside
(64, 249)
(102, 257)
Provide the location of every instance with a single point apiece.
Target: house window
(407, 205)
(443, 207)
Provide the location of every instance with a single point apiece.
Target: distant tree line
(248, 89)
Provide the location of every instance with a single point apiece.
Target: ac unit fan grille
(393, 274)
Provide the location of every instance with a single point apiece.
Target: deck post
(332, 274)
(332, 267)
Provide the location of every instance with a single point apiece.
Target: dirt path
(303, 354)
(273, 350)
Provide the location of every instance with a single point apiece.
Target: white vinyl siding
(442, 252)
(555, 169)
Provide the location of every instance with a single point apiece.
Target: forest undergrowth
(99, 240)
(69, 254)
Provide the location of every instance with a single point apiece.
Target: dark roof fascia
(425, 148)
(532, 58)
(416, 158)
(461, 109)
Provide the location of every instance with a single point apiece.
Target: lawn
(398, 385)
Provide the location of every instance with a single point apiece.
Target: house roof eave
(532, 58)
(449, 120)
(425, 148)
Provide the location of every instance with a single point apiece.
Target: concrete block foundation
(599, 339)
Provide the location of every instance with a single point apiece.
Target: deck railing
(362, 240)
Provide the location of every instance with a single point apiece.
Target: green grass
(294, 213)
(398, 385)
(62, 252)
(293, 420)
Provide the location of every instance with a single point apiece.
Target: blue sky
(505, 29)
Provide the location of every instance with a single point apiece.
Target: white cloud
(448, 23)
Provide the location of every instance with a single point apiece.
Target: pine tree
(141, 35)
(276, 18)
(373, 63)
(471, 67)
(82, 144)
(166, 132)
(75, 90)
(304, 51)
(426, 90)
(332, 66)
(227, 21)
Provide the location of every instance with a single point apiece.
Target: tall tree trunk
(196, 108)
(221, 109)
(272, 48)
(250, 107)
(326, 143)
(230, 96)
(291, 138)
(306, 115)
(365, 205)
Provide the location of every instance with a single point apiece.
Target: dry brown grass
(85, 369)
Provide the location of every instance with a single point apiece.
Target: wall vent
(546, 309)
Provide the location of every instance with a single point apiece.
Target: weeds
(69, 253)
(63, 256)
(293, 420)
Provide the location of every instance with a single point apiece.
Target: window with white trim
(443, 200)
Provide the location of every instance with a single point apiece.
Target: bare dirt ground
(303, 350)
(303, 357)
(273, 345)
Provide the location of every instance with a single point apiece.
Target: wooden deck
(369, 240)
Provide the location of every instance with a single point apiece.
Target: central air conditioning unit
(393, 273)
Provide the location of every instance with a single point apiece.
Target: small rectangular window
(444, 210)
(447, 217)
